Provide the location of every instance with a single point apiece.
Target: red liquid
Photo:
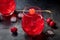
(7, 6)
(33, 24)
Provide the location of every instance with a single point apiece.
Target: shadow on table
(42, 36)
